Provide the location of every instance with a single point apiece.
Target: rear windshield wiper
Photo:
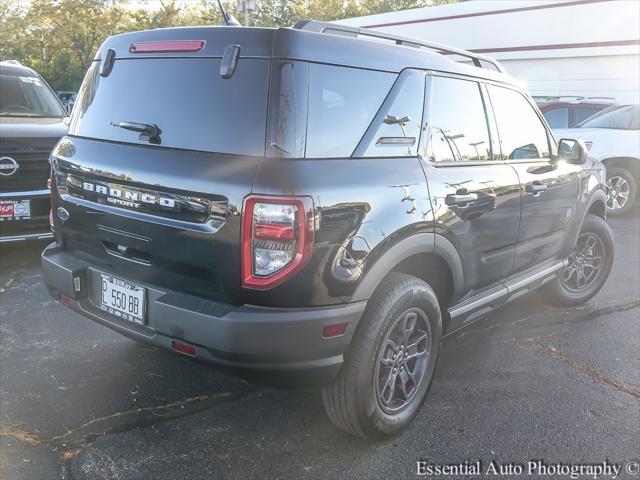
(148, 132)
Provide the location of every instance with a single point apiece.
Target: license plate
(15, 210)
(123, 299)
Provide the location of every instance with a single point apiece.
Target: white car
(613, 137)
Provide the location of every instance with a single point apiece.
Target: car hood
(605, 143)
(586, 134)
(29, 127)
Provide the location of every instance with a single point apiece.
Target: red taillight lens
(277, 239)
(167, 46)
(52, 224)
(334, 330)
(184, 348)
(64, 299)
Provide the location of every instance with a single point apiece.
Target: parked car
(613, 137)
(568, 114)
(32, 120)
(315, 206)
(67, 98)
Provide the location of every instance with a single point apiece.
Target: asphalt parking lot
(530, 382)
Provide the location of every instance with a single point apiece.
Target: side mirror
(572, 150)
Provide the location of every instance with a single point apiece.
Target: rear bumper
(282, 346)
(36, 227)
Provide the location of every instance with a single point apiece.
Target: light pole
(248, 7)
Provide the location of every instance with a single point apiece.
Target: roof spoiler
(345, 30)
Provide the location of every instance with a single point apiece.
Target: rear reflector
(169, 46)
(65, 300)
(184, 348)
(334, 330)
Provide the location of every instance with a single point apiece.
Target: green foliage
(59, 38)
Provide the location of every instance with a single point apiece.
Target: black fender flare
(405, 248)
(598, 195)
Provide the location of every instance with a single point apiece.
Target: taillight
(277, 239)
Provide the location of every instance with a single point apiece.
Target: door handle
(535, 188)
(460, 198)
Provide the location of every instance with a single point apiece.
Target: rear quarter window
(342, 104)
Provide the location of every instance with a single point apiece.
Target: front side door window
(522, 134)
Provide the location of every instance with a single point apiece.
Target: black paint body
(372, 213)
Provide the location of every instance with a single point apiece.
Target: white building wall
(563, 47)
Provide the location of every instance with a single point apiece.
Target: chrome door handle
(535, 188)
(460, 199)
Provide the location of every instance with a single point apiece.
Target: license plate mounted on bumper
(123, 299)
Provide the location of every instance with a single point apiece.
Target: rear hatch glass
(186, 98)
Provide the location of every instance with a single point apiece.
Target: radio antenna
(228, 19)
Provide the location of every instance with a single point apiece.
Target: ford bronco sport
(32, 120)
(315, 204)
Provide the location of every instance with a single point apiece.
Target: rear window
(25, 95)
(186, 98)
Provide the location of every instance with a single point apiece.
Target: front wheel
(391, 362)
(589, 265)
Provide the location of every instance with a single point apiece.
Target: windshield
(620, 117)
(27, 96)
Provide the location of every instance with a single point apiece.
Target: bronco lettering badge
(126, 197)
(164, 204)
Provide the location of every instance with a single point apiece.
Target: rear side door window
(457, 122)
(581, 114)
(522, 133)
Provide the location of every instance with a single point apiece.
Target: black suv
(32, 120)
(308, 205)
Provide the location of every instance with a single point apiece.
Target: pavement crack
(620, 307)
(83, 435)
(530, 320)
(594, 374)
(23, 437)
(8, 283)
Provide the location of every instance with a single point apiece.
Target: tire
(563, 290)
(620, 181)
(352, 401)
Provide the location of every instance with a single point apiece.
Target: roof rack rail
(345, 30)
(573, 99)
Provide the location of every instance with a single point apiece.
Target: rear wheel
(391, 362)
(589, 265)
(621, 190)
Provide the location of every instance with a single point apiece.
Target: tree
(59, 38)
